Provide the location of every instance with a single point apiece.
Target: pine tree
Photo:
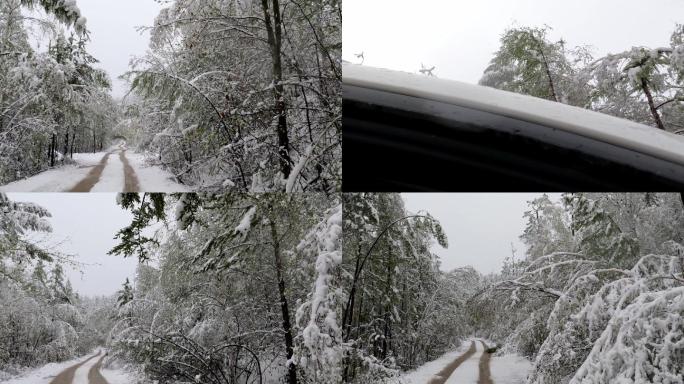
(125, 295)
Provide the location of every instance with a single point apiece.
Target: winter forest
(598, 296)
(273, 288)
(232, 288)
(231, 94)
(642, 84)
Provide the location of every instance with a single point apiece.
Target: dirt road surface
(485, 374)
(67, 376)
(444, 374)
(131, 183)
(92, 177)
(94, 375)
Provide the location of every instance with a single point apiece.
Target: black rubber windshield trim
(375, 119)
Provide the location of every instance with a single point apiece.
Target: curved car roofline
(599, 126)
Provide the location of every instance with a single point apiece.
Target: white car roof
(599, 126)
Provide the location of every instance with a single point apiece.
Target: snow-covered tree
(585, 315)
(529, 63)
(234, 270)
(43, 318)
(125, 295)
(244, 95)
(547, 229)
(642, 84)
(52, 102)
(390, 277)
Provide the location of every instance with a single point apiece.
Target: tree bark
(73, 139)
(545, 62)
(53, 147)
(274, 32)
(552, 88)
(66, 145)
(651, 104)
(287, 326)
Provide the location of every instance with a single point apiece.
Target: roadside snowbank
(153, 178)
(509, 369)
(59, 179)
(116, 373)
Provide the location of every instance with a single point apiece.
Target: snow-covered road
(84, 370)
(470, 365)
(117, 170)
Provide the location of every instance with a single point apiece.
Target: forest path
(131, 183)
(117, 175)
(473, 366)
(92, 178)
(485, 372)
(94, 375)
(117, 170)
(76, 373)
(446, 372)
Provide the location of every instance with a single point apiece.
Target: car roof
(599, 126)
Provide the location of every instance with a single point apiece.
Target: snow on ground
(506, 369)
(424, 373)
(46, 373)
(469, 371)
(153, 178)
(81, 374)
(59, 179)
(509, 369)
(88, 159)
(112, 177)
(115, 373)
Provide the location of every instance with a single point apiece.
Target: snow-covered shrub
(321, 351)
(584, 313)
(642, 343)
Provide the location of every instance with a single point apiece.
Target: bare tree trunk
(274, 31)
(545, 62)
(73, 139)
(287, 326)
(551, 86)
(651, 104)
(388, 308)
(66, 145)
(53, 147)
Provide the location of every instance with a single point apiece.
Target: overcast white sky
(459, 37)
(84, 224)
(480, 227)
(114, 39)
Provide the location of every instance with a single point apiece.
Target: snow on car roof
(625, 133)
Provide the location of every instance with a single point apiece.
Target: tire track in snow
(485, 373)
(94, 375)
(468, 372)
(446, 372)
(131, 183)
(67, 376)
(92, 178)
